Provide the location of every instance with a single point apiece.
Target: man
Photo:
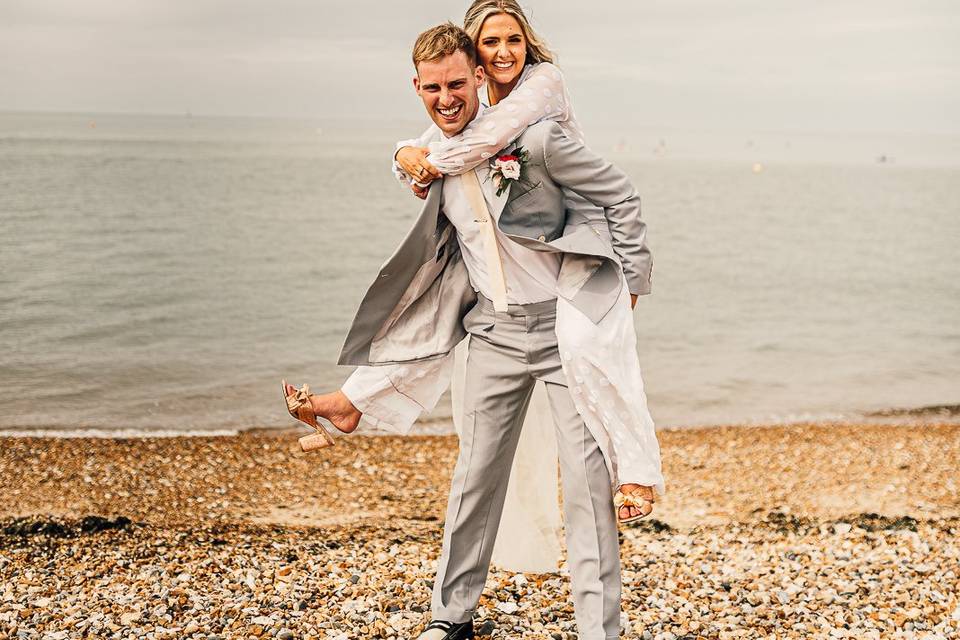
(491, 265)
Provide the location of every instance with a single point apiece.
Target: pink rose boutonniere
(510, 168)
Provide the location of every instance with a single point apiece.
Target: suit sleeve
(570, 164)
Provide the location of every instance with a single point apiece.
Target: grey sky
(869, 65)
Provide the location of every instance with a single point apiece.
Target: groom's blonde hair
(441, 41)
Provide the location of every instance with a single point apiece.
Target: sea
(159, 274)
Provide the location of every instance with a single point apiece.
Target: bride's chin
(502, 78)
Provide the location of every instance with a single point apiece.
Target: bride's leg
(603, 372)
(389, 397)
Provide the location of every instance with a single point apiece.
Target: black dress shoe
(443, 630)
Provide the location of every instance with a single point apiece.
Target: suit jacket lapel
(420, 247)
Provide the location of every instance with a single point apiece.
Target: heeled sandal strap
(299, 398)
(631, 500)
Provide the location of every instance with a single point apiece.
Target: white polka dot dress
(602, 369)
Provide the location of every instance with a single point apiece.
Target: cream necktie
(498, 284)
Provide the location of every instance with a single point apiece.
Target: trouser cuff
(457, 616)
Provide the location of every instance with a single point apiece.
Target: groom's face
(448, 88)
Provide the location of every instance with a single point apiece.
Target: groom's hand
(420, 192)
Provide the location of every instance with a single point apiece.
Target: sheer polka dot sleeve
(542, 95)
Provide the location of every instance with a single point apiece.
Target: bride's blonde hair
(480, 10)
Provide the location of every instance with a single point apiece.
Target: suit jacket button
(542, 238)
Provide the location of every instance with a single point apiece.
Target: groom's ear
(416, 83)
(478, 73)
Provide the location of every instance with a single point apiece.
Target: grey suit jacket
(413, 310)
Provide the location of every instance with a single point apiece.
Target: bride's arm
(541, 96)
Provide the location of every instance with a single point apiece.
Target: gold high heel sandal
(298, 404)
(633, 500)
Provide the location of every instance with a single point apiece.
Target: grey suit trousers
(508, 353)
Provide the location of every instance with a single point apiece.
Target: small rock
(129, 617)
(508, 608)
(486, 628)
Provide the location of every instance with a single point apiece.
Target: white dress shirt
(531, 276)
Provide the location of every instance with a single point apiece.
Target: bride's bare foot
(335, 407)
(634, 501)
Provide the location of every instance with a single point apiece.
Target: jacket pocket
(525, 194)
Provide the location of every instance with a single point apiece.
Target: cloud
(786, 64)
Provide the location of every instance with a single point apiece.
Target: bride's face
(502, 48)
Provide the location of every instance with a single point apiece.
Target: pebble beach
(800, 531)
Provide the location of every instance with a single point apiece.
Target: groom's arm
(572, 165)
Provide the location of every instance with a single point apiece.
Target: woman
(599, 360)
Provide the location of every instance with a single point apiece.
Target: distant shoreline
(898, 416)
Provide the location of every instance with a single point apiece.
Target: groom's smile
(448, 88)
(451, 113)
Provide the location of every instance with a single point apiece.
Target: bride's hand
(413, 160)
